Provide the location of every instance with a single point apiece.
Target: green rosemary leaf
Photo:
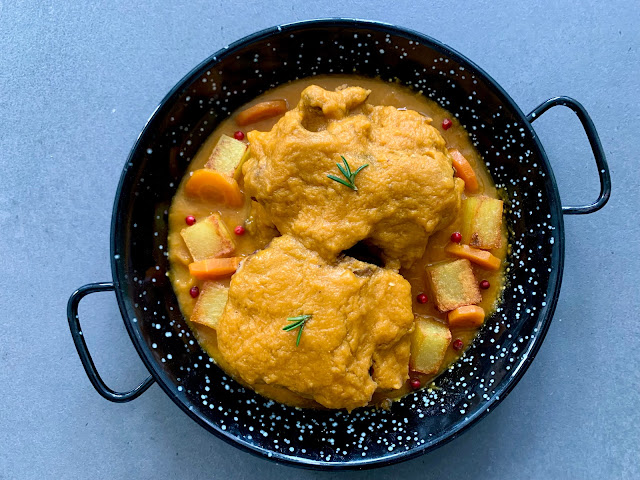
(298, 318)
(343, 171)
(293, 326)
(350, 177)
(299, 335)
(298, 322)
(339, 180)
(358, 170)
(346, 164)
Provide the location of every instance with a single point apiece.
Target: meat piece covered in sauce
(358, 316)
(407, 192)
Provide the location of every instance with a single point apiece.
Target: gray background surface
(77, 83)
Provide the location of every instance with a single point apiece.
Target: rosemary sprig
(298, 322)
(346, 171)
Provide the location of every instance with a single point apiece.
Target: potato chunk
(227, 156)
(482, 222)
(208, 238)
(454, 284)
(468, 212)
(429, 342)
(211, 302)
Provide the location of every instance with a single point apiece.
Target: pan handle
(83, 351)
(596, 147)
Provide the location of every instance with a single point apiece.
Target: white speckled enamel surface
(77, 87)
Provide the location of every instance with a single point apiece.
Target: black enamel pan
(366, 437)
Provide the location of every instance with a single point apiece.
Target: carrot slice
(468, 316)
(213, 185)
(464, 170)
(261, 111)
(475, 255)
(214, 268)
